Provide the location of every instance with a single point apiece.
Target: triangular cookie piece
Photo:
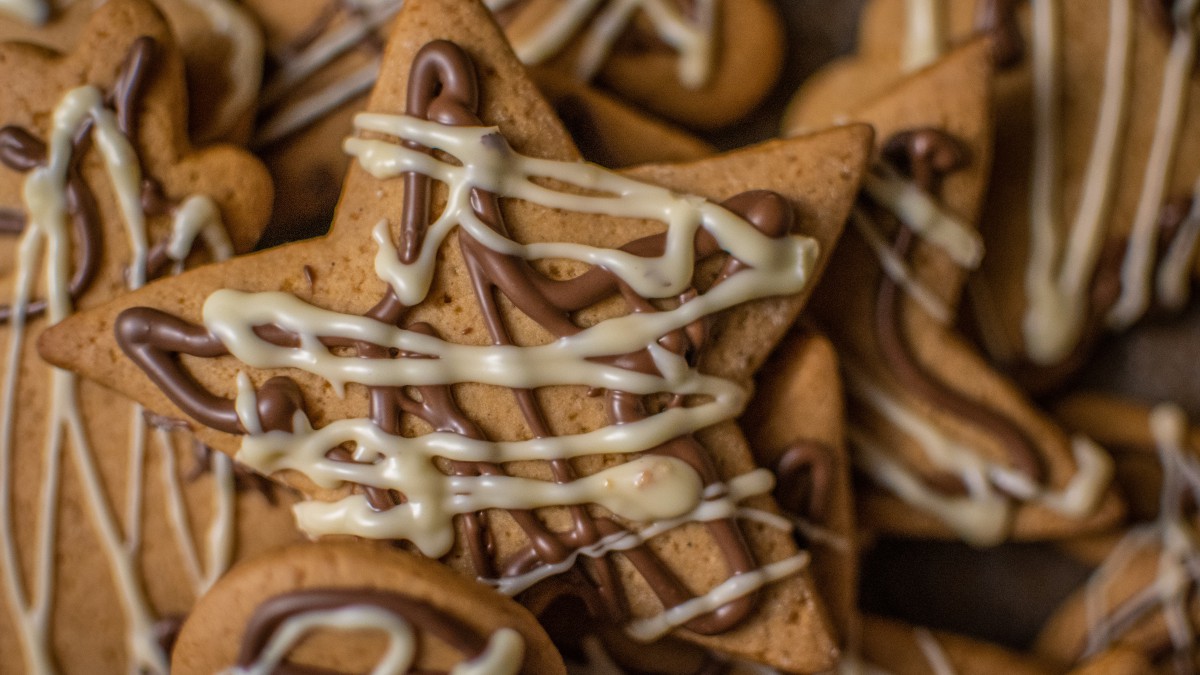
(955, 446)
(478, 366)
(110, 525)
(796, 425)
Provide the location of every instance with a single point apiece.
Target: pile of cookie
(436, 336)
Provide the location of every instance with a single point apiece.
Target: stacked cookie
(563, 389)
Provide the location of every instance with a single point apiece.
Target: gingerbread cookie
(1143, 594)
(521, 326)
(109, 528)
(954, 447)
(796, 426)
(353, 606)
(1123, 428)
(221, 44)
(896, 39)
(611, 133)
(704, 63)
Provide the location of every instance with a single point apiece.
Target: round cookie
(340, 606)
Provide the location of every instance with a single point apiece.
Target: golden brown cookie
(611, 133)
(1122, 427)
(352, 606)
(796, 427)
(1088, 172)
(703, 63)
(1091, 177)
(324, 59)
(953, 448)
(222, 49)
(549, 488)
(896, 39)
(1143, 594)
(111, 520)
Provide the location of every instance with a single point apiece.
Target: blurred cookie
(952, 446)
(350, 607)
(542, 280)
(222, 49)
(611, 133)
(1144, 592)
(903, 649)
(703, 63)
(110, 526)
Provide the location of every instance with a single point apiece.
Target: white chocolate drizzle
(656, 492)
(1173, 536)
(925, 35)
(739, 585)
(925, 216)
(503, 656)
(983, 516)
(693, 38)
(44, 195)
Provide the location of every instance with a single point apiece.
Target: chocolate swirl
(443, 88)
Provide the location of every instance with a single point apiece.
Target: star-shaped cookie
(525, 365)
(111, 521)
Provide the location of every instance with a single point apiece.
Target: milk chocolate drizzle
(927, 155)
(443, 88)
(271, 614)
(22, 151)
(804, 479)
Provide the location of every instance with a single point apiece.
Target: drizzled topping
(629, 359)
(54, 192)
(281, 623)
